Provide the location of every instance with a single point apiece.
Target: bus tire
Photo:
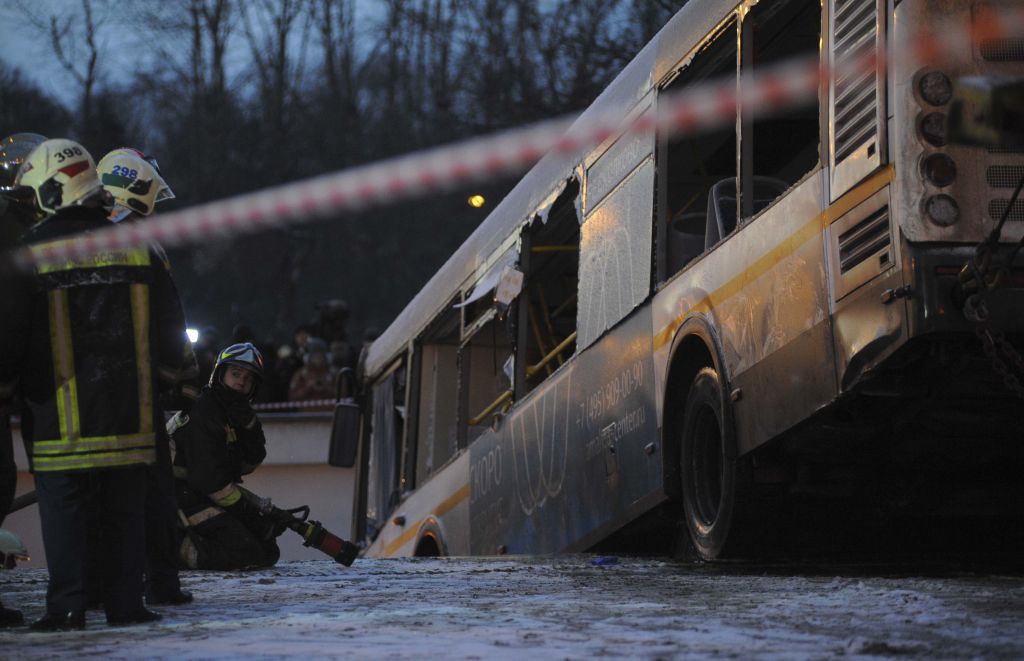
(716, 484)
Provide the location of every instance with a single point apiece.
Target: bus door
(387, 433)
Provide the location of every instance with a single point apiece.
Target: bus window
(697, 173)
(777, 150)
(486, 373)
(545, 311)
(386, 431)
(437, 406)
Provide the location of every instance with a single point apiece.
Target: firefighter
(17, 213)
(15, 218)
(135, 186)
(218, 442)
(85, 339)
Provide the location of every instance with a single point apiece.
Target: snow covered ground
(550, 608)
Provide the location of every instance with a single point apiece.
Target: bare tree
(73, 35)
(25, 107)
(269, 28)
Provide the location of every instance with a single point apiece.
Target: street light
(476, 201)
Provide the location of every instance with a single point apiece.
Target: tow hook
(890, 295)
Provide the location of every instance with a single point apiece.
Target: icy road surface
(550, 608)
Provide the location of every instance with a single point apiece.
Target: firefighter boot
(10, 617)
(71, 620)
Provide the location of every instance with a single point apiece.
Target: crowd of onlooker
(317, 363)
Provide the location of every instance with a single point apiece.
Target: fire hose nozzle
(318, 537)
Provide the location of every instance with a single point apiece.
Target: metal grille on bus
(863, 240)
(1003, 50)
(855, 92)
(1004, 176)
(998, 206)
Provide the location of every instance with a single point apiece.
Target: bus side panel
(765, 290)
(440, 502)
(569, 464)
(775, 331)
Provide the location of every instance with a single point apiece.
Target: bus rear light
(939, 169)
(942, 210)
(932, 127)
(935, 88)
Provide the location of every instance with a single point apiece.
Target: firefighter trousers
(217, 540)
(66, 500)
(161, 522)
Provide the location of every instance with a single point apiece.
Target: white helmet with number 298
(133, 180)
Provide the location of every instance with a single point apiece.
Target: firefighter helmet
(13, 150)
(11, 549)
(133, 180)
(62, 174)
(244, 355)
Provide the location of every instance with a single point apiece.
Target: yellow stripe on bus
(780, 252)
(443, 508)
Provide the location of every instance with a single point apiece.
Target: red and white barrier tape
(695, 109)
(288, 406)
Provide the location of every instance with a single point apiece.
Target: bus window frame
(397, 493)
(410, 447)
(746, 122)
(434, 330)
(661, 276)
(538, 220)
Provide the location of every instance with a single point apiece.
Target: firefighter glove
(259, 524)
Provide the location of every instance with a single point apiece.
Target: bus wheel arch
(717, 487)
(693, 348)
(711, 484)
(431, 541)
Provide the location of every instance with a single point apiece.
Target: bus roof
(545, 179)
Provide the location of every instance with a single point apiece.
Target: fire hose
(313, 533)
(296, 519)
(22, 501)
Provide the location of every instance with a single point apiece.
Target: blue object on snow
(602, 560)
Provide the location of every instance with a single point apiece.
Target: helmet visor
(165, 193)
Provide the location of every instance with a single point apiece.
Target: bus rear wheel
(716, 485)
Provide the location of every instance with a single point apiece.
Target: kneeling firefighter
(216, 443)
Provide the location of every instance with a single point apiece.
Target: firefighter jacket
(90, 342)
(216, 443)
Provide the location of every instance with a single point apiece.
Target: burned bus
(691, 331)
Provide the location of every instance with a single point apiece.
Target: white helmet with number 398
(62, 174)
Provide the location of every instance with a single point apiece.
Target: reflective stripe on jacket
(90, 333)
